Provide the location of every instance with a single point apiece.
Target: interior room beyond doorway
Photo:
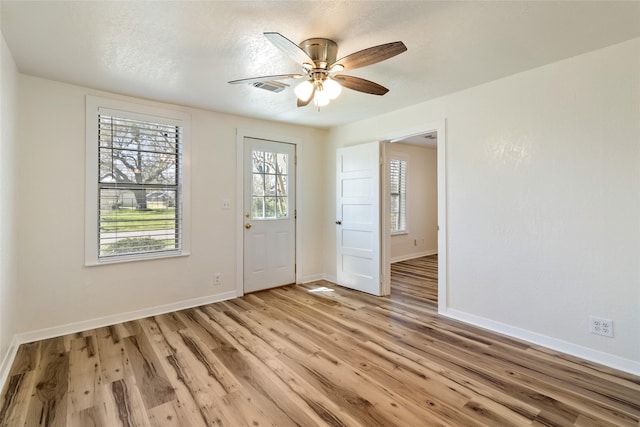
(413, 207)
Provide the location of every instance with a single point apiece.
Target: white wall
(56, 289)
(543, 190)
(422, 202)
(8, 235)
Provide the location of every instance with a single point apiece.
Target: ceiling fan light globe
(321, 98)
(332, 88)
(303, 90)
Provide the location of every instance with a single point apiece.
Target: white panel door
(358, 217)
(269, 214)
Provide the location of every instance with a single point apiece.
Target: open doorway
(413, 213)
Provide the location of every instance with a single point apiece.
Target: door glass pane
(258, 184)
(257, 207)
(282, 207)
(270, 162)
(282, 163)
(270, 185)
(269, 207)
(258, 161)
(282, 185)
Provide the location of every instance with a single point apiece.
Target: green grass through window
(129, 219)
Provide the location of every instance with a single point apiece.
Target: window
(136, 186)
(269, 197)
(398, 188)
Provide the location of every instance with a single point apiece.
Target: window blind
(398, 190)
(139, 186)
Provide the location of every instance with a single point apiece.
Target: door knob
(339, 222)
(247, 225)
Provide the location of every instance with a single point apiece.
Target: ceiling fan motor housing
(323, 51)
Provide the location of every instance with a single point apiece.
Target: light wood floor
(311, 355)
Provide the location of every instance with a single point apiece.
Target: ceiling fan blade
(288, 47)
(370, 56)
(267, 78)
(304, 103)
(361, 85)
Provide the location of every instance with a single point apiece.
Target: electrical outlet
(600, 326)
(217, 279)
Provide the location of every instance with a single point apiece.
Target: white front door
(269, 214)
(358, 217)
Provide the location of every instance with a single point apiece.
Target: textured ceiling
(185, 52)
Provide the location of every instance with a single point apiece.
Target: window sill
(134, 258)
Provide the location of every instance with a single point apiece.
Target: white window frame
(94, 105)
(401, 158)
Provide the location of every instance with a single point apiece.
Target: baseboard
(100, 322)
(413, 255)
(312, 278)
(7, 361)
(606, 359)
(330, 278)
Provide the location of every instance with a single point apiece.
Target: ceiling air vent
(271, 86)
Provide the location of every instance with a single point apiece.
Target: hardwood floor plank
(493, 413)
(193, 358)
(114, 361)
(153, 331)
(164, 415)
(26, 358)
(124, 403)
(311, 355)
(194, 322)
(84, 373)
(90, 417)
(192, 394)
(48, 407)
(152, 381)
(15, 399)
(170, 321)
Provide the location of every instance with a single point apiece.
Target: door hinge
(295, 268)
(295, 214)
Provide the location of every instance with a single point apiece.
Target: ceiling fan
(320, 67)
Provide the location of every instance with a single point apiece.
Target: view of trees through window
(139, 188)
(269, 187)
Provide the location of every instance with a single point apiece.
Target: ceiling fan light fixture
(336, 68)
(332, 88)
(321, 98)
(303, 90)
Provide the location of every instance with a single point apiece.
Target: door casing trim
(241, 134)
(440, 127)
